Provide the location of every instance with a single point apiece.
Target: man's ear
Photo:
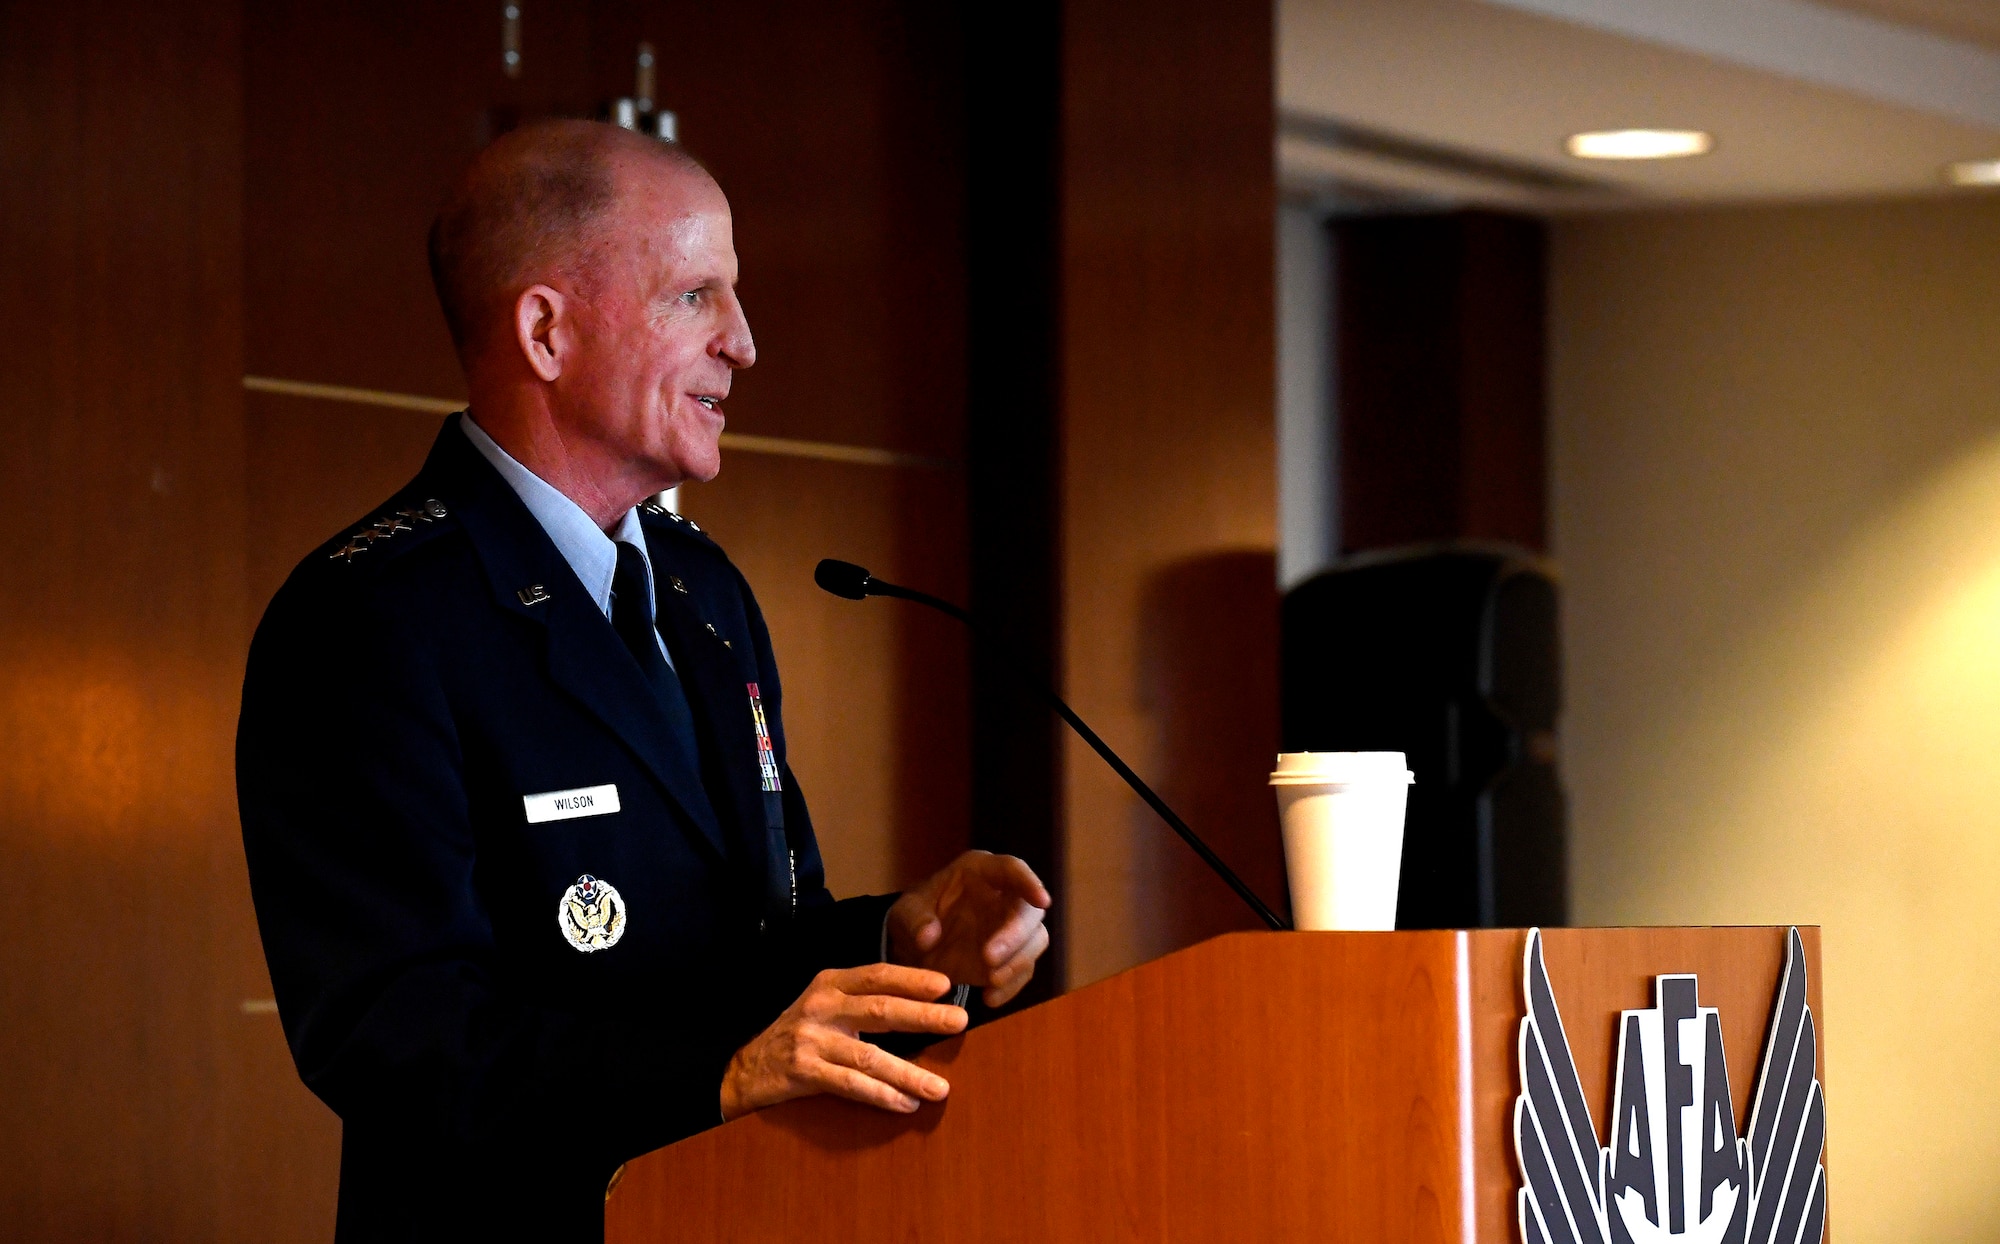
(541, 329)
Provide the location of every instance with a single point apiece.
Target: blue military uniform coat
(414, 682)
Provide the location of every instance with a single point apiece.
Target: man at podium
(536, 884)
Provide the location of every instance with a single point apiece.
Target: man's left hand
(978, 921)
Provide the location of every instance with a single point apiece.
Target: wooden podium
(1259, 1086)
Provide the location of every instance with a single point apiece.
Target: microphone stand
(845, 579)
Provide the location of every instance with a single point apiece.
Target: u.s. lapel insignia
(767, 757)
(591, 915)
(533, 594)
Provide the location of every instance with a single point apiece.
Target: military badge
(1676, 1168)
(385, 527)
(591, 915)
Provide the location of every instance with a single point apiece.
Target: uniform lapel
(718, 695)
(585, 656)
(588, 660)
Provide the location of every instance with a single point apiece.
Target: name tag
(563, 805)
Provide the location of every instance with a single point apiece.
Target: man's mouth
(710, 401)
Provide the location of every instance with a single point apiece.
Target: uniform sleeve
(392, 989)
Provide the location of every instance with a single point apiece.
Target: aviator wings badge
(1676, 1168)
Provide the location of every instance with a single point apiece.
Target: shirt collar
(591, 553)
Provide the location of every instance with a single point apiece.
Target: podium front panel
(1277, 1087)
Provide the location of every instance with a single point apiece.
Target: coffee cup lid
(1334, 768)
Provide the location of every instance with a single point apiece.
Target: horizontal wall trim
(742, 442)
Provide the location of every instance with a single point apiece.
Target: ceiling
(1469, 101)
(1975, 21)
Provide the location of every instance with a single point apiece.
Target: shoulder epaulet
(654, 509)
(388, 530)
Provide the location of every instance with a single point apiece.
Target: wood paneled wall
(125, 941)
(1169, 493)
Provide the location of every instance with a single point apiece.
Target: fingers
(882, 1013)
(1009, 874)
(887, 978)
(884, 997)
(914, 926)
(1005, 893)
(1012, 936)
(1022, 964)
(1012, 976)
(813, 1047)
(890, 1082)
(853, 1085)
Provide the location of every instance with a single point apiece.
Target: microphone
(852, 582)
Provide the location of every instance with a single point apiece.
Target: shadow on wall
(1209, 680)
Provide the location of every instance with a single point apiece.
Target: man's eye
(690, 298)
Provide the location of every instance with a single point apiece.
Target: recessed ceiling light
(1973, 173)
(1638, 144)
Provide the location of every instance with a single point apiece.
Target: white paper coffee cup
(1342, 815)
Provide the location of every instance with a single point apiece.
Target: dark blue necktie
(632, 618)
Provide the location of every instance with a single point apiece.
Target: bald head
(529, 210)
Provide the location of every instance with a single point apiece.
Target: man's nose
(736, 347)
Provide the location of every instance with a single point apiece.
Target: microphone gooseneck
(845, 579)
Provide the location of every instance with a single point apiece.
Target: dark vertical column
(1013, 55)
(1441, 393)
(1442, 407)
(1503, 394)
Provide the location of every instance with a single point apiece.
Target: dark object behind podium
(1450, 654)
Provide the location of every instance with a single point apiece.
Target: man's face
(659, 331)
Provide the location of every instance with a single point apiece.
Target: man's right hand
(815, 1046)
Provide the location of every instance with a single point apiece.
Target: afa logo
(1675, 1167)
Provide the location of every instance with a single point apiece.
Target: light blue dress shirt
(592, 554)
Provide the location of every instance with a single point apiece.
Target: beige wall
(1776, 492)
